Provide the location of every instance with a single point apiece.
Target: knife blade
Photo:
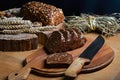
(86, 56)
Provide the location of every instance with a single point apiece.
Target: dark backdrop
(71, 7)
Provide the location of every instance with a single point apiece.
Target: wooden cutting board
(104, 57)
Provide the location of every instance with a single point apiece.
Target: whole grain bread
(59, 58)
(41, 12)
(58, 41)
(54, 42)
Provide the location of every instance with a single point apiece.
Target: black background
(72, 7)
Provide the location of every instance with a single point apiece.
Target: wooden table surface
(12, 61)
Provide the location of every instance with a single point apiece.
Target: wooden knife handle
(75, 67)
(20, 75)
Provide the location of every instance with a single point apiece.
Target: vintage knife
(86, 56)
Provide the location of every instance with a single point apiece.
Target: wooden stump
(18, 42)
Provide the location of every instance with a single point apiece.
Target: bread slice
(59, 59)
(78, 31)
(74, 37)
(54, 42)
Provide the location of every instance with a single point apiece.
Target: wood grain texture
(104, 56)
(12, 61)
(18, 42)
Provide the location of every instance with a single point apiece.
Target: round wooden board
(104, 57)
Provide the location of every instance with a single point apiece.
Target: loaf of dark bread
(59, 60)
(45, 13)
(64, 40)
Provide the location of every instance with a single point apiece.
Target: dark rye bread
(67, 37)
(81, 39)
(59, 59)
(54, 42)
(78, 31)
(18, 42)
(65, 34)
(72, 39)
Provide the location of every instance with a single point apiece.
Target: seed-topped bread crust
(45, 13)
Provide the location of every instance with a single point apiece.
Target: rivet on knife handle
(75, 67)
(20, 75)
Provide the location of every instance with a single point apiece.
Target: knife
(86, 56)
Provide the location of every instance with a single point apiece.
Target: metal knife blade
(93, 48)
(86, 56)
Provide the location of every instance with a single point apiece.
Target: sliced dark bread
(67, 36)
(81, 40)
(65, 40)
(78, 31)
(59, 59)
(74, 37)
(54, 42)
